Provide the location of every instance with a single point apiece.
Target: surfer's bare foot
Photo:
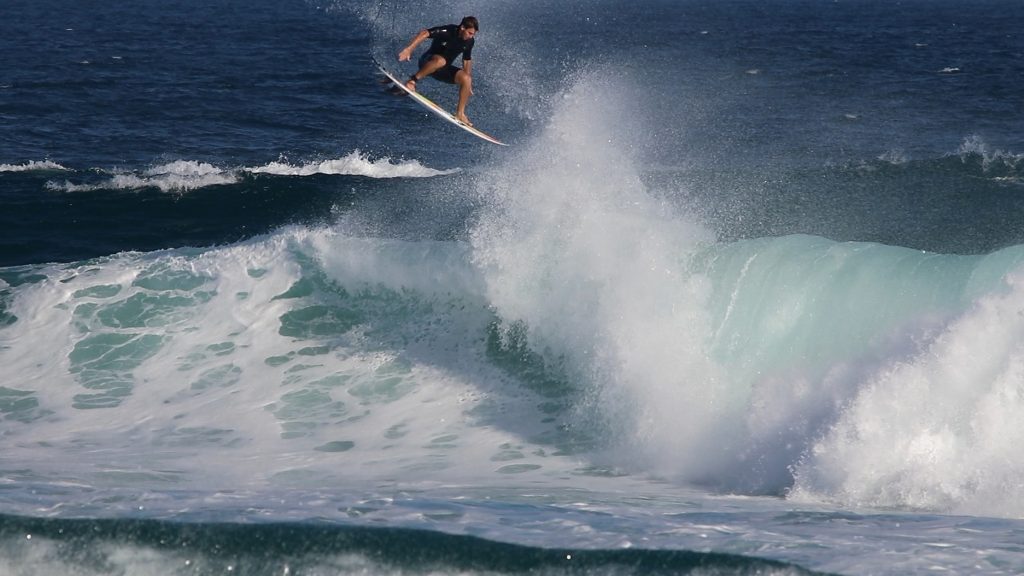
(411, 83)
(461, 117)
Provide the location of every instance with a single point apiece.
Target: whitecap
(895, 157)
(355, 163)
(177, 176)
(33, 165)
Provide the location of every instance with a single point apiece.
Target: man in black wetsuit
(448, 43)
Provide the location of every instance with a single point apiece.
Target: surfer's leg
(465, 83)
(427, 67)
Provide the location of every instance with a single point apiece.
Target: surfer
(448, 42)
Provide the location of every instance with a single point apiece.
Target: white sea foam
(575, 248)
(178, 176)
(356, 163)
(723, 363)
(895, 157)
(301, 357)
(188, 175)
(938, 430)
(990, 157)
(31, 166)
(313, 355)
(310, 354)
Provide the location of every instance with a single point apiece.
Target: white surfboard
(430, 105)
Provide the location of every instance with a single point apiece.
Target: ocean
(743, 295)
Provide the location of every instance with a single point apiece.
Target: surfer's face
(466, 33)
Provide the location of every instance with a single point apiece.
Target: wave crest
(34, 165)
(355, 163)
(189, 175)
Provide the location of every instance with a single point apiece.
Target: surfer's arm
(467, 65)
(406, 53)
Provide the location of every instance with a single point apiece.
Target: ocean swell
(776, 365)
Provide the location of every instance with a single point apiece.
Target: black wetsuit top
(448, 43)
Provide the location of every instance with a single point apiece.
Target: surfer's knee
(461, 78)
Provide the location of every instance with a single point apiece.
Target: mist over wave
(573, 247)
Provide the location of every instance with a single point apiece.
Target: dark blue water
(773, 105)
(741, 296)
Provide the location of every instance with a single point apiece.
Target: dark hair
(471, 22)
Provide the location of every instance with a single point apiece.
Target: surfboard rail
(437, 109)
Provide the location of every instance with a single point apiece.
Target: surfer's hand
(405, 55)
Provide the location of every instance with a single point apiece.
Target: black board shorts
(445, 74)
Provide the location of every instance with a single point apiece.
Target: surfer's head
(469, 27)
